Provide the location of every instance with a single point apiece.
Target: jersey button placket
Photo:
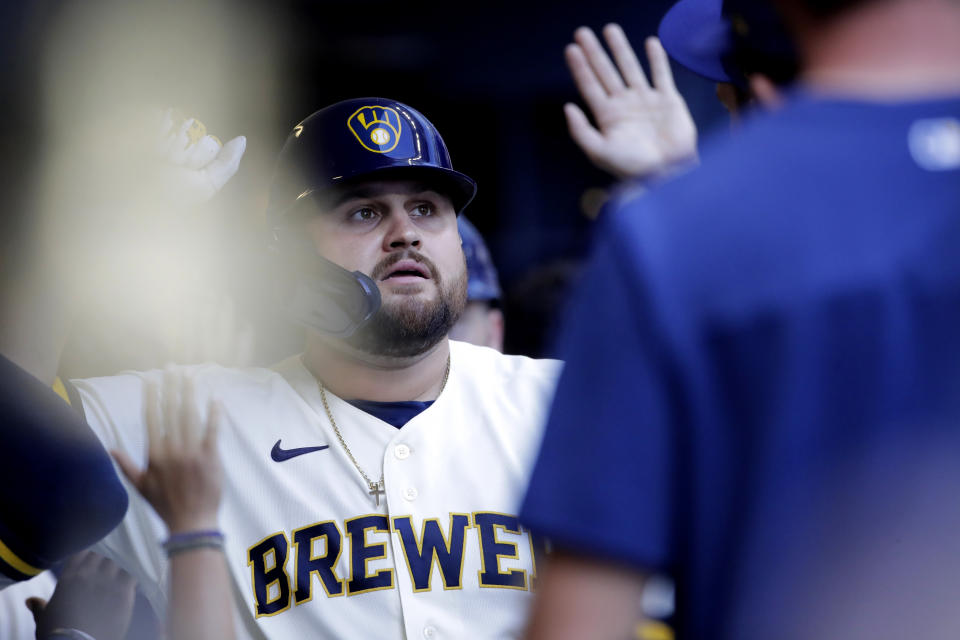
(401, 452)
(410, 494)
(429, 632)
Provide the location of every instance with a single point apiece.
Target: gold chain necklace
(377, 488)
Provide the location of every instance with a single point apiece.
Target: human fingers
(189, 135)
(177, 140)
(659, 65)
(171, 408)
(584, 77)
(599, 60)
(222, 168)
(127, 466)
(154, 411)
(83, 563)
(583, 133)
(113, 572)
(188, 425)
(215, 417)
(202, 152)
(625, 56)
(124, 579)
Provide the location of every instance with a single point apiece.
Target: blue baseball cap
(482, 282)
(713, 38)
(697, 35)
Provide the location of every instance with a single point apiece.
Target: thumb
(583, 133)
(127, 466)
(227, 162)
(36, 607)
(214, 423)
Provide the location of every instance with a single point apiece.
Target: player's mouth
(406, 271)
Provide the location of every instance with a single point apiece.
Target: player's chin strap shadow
(323, 295)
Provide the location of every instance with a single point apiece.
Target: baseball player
(371, 482)
(482, 320)
(773, 341)
(748, 65)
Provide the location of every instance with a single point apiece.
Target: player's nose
(402, 232)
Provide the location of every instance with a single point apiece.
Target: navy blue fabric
(762, 388)
(393, 413)
(59, 492)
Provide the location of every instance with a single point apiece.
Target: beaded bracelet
(179, 542)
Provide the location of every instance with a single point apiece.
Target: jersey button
(410, 493)
(429, 632)
(401, 451)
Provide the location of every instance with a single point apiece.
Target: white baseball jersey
(310, 553)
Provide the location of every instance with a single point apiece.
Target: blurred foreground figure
(762, 388)
(61, 493)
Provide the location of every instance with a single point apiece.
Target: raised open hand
(184, 475)
(640, 129)
(196, 164)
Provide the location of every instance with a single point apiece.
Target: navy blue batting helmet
(482, 282)
(362, 138)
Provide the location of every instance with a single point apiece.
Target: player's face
(404, 236)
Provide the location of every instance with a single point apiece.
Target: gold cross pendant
(376, 490)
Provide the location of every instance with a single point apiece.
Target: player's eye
(364, 214)
(424, 209)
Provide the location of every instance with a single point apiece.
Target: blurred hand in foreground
(93, 595)
(194, 164)
(184, 476)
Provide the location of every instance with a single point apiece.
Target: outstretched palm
(640, 129)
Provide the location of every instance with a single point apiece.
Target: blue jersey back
(762, 389)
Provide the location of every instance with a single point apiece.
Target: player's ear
(765, 91)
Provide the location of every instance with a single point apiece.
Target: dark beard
(412, 328)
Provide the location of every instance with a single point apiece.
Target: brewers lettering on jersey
(372, 482)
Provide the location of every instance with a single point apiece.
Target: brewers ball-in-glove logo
(376, 128)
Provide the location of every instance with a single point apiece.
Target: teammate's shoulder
(487, 362)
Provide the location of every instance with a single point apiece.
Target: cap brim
(697, 35)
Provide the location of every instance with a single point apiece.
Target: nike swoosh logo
(279, 455)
